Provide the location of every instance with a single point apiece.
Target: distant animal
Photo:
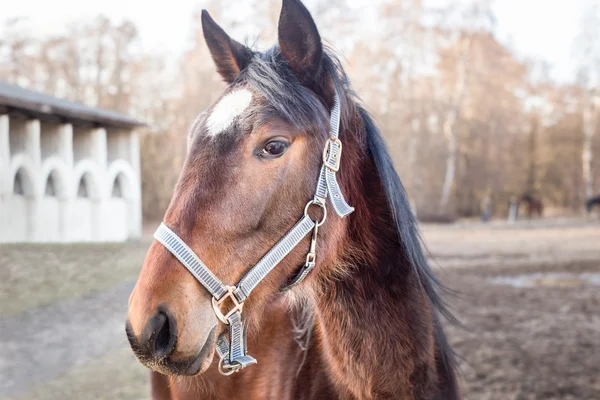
(534, 205)
(592, 202)
(278, 247)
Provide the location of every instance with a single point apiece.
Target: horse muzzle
(159, 345)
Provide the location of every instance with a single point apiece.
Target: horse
(355, 314)
(533, 205)
(591, 203)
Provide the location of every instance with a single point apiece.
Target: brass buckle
(237, 306)
(330, 159)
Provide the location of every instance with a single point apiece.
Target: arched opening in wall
(83, 190)
(84, 220)
(18, 208)
(119, 217)
(22, 183)
(117, 188)
(18, 184)
(53, 207)
(50, 190)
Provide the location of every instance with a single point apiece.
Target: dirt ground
(63, 307)
(536, 342)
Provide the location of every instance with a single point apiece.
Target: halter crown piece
(231, 346)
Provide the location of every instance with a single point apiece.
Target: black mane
(409, 237)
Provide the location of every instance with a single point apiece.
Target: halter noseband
(232, 350)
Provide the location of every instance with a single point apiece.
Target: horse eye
(274, 148)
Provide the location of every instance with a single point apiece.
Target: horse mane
(404, 219)
(303, 108)
(408, 234)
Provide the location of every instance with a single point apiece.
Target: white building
(68, 173)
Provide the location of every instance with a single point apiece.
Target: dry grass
(33, 275)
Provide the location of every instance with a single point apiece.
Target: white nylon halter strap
(232, 350)
(236, 355)
(332, 156)
(190, 260)
(273, 257)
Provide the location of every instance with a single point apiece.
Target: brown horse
(591, 203)
(534, 206)
(365, 323)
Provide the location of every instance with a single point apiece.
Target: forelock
(269, 75)
(269, 87)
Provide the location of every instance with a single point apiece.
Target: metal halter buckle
(332, 159)
(311, 257)
(237, 306)
(311, 260)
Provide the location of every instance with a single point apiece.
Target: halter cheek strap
(231, 346)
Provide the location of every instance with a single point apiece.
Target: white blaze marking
(227, 110)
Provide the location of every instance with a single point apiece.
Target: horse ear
(229, 56)
(299, 39)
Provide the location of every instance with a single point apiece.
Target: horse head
(253, 161)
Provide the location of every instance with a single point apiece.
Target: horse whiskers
(197, 384)
(172, 381)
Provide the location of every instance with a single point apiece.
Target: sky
(543, 29)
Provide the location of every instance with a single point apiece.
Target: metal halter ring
(320, 204)
(228, 369)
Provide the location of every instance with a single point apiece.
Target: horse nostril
(162, 336)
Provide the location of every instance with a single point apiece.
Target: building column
(5, 181)
(65, 151)
(99, 151)
(99, 154)
(136, 222)
(33, 147)
(65, 144)
(5, 184)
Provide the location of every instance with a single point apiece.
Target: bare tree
(455, 104)
(454, 108)
(464, 23)
(589, 74)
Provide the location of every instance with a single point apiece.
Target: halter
(231, 346)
